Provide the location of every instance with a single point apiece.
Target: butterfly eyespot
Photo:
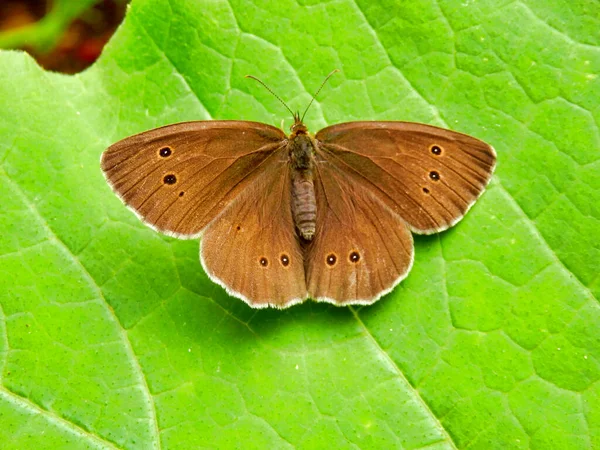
(238, 228)
(331, 260)
(263, 261)
(426, 190)
(164, 152)
(436, 150)
(434, 175)
(285, 260)
(170, 179)
(354, 257)
(181, 193)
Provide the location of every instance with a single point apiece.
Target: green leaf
(112, 336)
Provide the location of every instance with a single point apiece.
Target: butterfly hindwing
(361, 249)
(252, 248)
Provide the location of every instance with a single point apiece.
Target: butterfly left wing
(429, 176)
(252, 249)
(361, 249)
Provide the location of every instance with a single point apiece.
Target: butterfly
(284, 217)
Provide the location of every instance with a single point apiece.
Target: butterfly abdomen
(304, 204)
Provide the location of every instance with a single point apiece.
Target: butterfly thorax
(301, 147)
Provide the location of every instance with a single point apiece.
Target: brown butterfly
(285, 218)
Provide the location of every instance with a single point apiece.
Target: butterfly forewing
(428, 175)
(180, 177)
(252, 248)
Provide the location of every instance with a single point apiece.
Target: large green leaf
(112, 335)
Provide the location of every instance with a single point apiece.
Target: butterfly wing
(179, 177)
(361, 248)
(252, 249)
(428, 175)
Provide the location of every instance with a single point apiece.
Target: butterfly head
(298, 126)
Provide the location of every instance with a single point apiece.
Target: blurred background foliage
(62, 35)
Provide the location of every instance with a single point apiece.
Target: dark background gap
(82, 41)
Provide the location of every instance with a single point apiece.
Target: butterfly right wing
(252, 248)
(179, 177)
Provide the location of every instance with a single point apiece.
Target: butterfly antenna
(317, 93)
(271, 91)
